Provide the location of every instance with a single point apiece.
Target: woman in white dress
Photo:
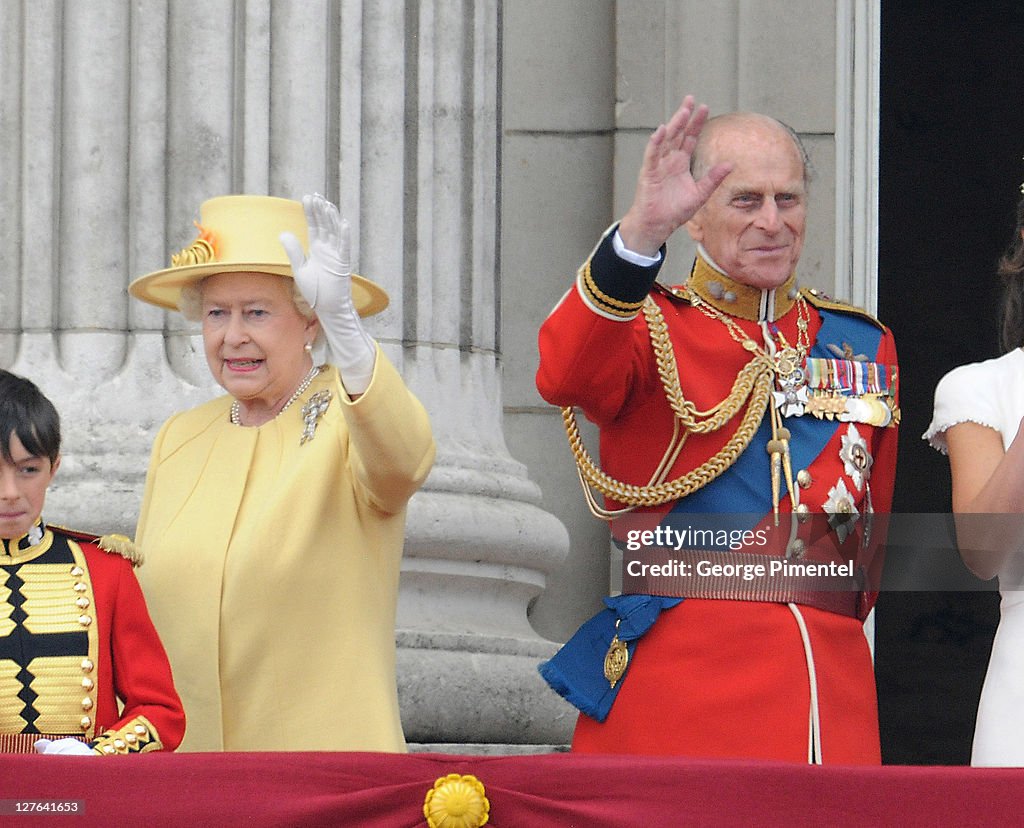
(979, 422)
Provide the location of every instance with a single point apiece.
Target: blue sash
(576, 671)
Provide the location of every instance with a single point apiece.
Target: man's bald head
(705, 156)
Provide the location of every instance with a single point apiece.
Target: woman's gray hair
(190, 303)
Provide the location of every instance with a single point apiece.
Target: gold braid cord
(753, 386)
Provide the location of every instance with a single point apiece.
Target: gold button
(107, 749)
(84, 620)
(131, 738)
(80, 587)
(119, 744)
(87, 683)
(87, 665)
(77, 571)
(82, 602)
(803, 477)
(796, 548)
(140, 729)
(803, 513)
(86, 723)
(86, 703)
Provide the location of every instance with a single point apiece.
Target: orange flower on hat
(456, 802)
(201, 251)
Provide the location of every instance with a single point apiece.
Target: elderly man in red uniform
(738, 394)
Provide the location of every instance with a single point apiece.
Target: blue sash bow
(576, 671)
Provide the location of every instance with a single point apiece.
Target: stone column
(121, 117)
(479, 546)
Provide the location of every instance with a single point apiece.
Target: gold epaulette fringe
(122, 545)
(117, 544)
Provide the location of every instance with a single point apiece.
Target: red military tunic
(75, 639)
(735, 678)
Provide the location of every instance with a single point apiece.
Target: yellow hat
(240, 233)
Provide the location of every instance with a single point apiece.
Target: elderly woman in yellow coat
(273, 517)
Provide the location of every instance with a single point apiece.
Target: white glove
(66, 746)
(325, 280)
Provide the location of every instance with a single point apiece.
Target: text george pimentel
(773, 567)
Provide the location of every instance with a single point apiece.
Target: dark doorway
(952, 137)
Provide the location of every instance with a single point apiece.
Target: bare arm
(986, 481)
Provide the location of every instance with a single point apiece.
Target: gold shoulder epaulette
(122, 545)
(116, 544)
(673, 292)
(820, 300)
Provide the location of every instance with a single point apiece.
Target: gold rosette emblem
(201, 251)
(456, 802)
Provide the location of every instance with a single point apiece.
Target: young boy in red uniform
(75, 635)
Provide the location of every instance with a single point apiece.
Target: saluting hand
(667, 195)
(325, 276)
(325, 279)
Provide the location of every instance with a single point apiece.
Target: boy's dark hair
(26, 412)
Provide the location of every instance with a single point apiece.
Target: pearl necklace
(236, 409)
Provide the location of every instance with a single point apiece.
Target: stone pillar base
(477, 749)
(458, 691)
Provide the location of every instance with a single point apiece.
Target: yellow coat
(271, 568)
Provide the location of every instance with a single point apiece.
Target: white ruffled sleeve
(964, 395)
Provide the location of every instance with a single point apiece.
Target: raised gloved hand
(324, 278)
(66, 746)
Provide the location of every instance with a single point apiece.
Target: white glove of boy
(66, 746)
(325, 280)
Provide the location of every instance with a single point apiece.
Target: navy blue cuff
(615, 286)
